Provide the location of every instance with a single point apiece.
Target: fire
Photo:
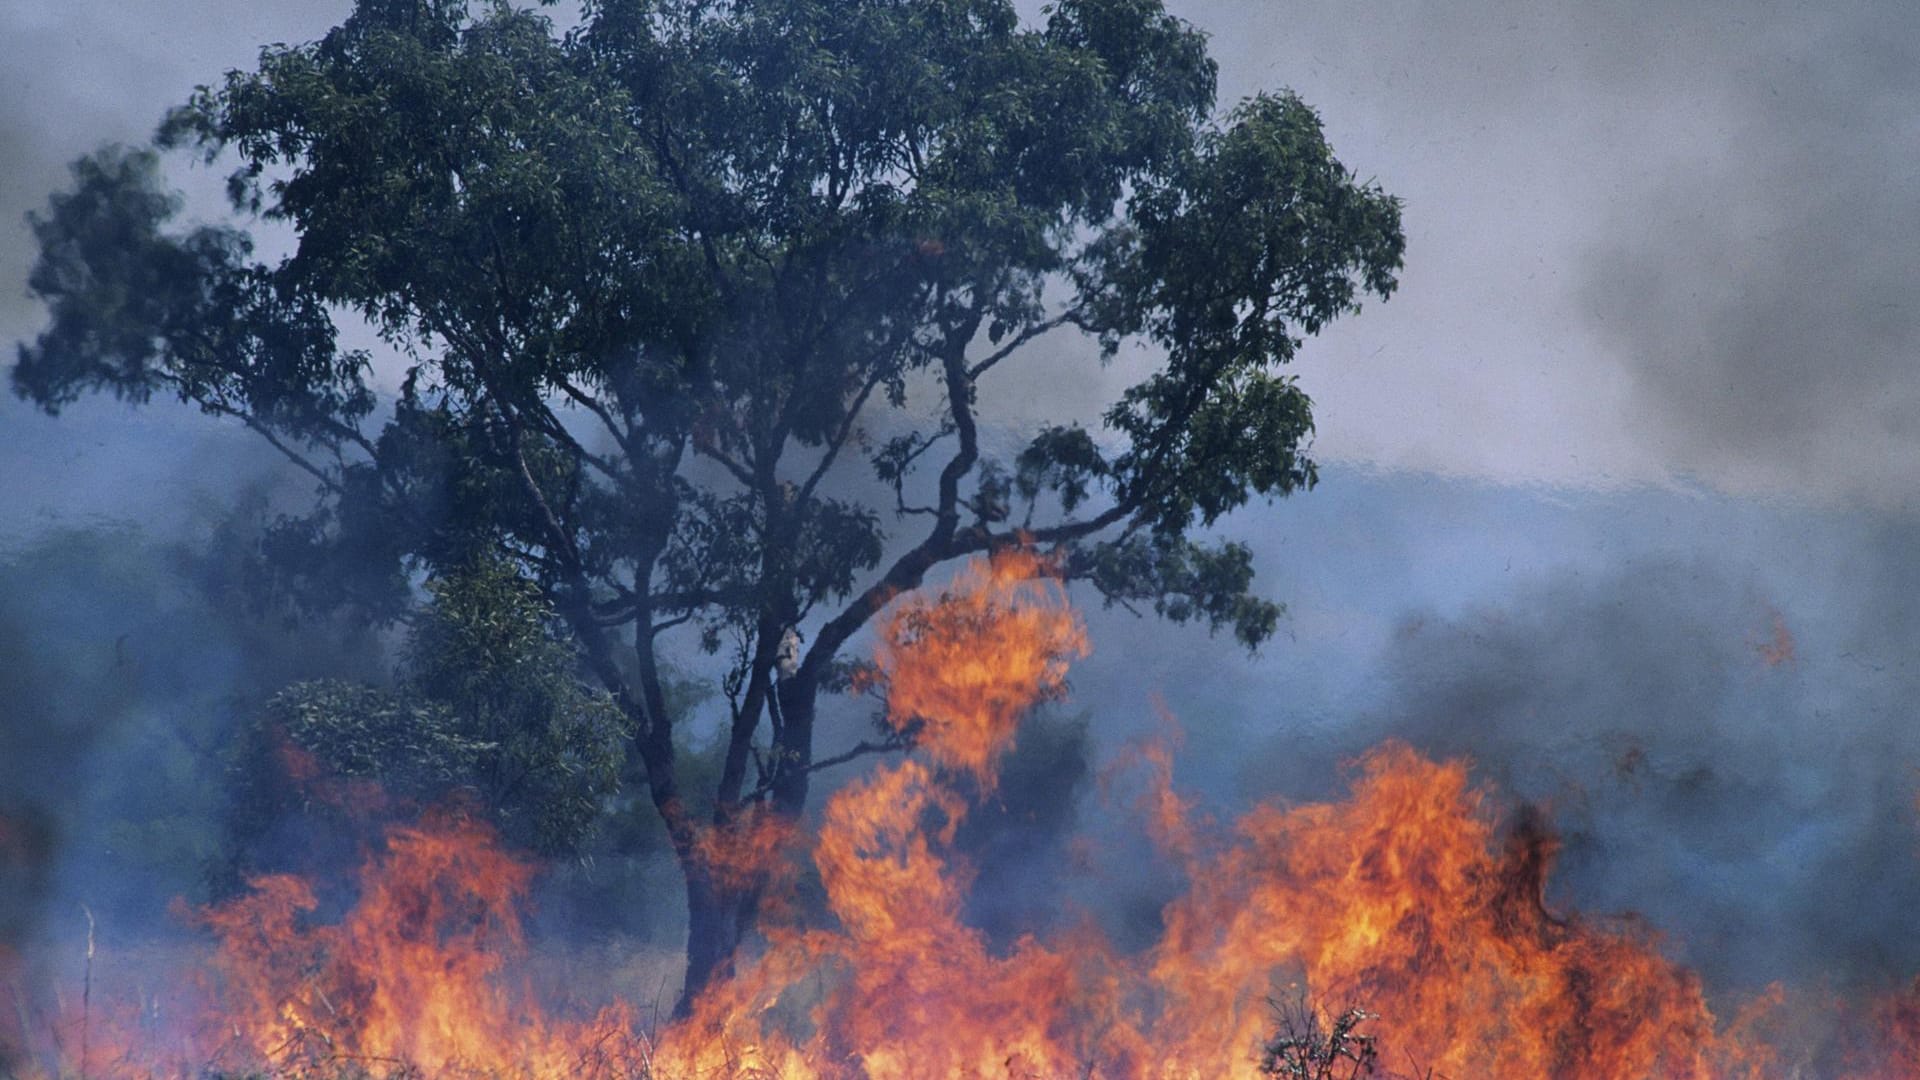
(416, 973)
(969, 663)
(1404, 899)
(1417, 899)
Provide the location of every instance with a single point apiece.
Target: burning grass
(1415, 897)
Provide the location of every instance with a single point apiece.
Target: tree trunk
(716, 923)
(794, 743)
(720, 917)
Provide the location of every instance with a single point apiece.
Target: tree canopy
(692, 302)
(487, 709)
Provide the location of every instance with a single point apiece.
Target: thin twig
(859, 750)
(86, 993)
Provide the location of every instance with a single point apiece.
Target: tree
(659, 283)
(486, 709)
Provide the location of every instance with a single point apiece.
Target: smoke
(129, 658)
(1735, 200)
(1646, 240)
(1018, 841)
(78, 76)
(1733, 783)
(1711, 698)
(1760, 293)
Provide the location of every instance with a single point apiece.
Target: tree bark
(719, 917)
(793, 743)
(716, 921)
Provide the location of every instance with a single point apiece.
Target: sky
(1644, 402)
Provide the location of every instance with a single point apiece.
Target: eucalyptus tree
(694, 300)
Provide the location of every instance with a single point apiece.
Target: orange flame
(413, 976)
(1414, 898)
(968, 663)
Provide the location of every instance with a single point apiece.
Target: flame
(414, 964)
(415, 975)
(1417, 898)
(1892, 1042)
(1404, 898)
(967, 664)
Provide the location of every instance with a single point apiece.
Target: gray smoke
(1760, 291)
(1713, 700)
(1750, 793)
(1645, 239)
(126, 660)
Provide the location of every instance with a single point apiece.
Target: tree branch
(665, 625)
(944, 540)
(259, 427)
(1070, 316)
(840, 434)
(865, 747)
(621, 436)
(737, 470)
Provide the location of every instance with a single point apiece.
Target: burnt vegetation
(1307, 1045)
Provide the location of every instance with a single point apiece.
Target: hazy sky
(1649, 242)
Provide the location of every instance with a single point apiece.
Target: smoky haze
(1761, 294)
(1749, 795)
(1712, 699)
(1648, 243)
(1652, 246)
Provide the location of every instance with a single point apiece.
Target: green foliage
(137, 310)
(486, 654)
(1182, 581)
(488, 707)
(718, 226)
(412, 747)
(1258, 237)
